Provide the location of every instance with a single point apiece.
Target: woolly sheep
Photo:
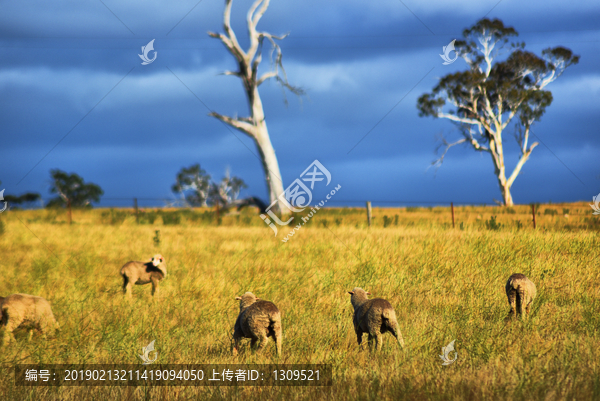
(257, 320)
(141, 273)
(26, 311)
(375, 317)
(520, 292)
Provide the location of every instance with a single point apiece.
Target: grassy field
(445, 284)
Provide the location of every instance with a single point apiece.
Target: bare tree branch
(242, 124)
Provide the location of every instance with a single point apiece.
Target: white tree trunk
(267, 154)
(248, 61)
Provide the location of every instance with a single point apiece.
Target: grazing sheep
(257, 320)
(375, 317)
(26, 311)
(520, 292)
(141, 273)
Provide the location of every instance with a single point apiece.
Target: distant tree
(16, 201)
(72, 190)
(483, 100)
(194, 184)
(226, 192)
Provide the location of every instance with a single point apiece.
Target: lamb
(141, 273)
(375, 317)
(26, 311)
(257, 320)
(520, 292)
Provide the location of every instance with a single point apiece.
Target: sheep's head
(159, 261)
(358, 296)
(246, 300)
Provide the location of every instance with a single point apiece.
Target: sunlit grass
(445, 284)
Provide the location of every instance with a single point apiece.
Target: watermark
(146, 352)
(298, 195)
(595, 205)
(147, 49)
(446, 354)
(446, 55)
(314, 211)
(174, 375)
(1, 199)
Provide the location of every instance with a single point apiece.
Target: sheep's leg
(528, 307)
(154, 286)
(378, 341)
(512, 296)
(277, 333)
(359, 338)
(127, 286)
(30, 335)
(520, 302)
(396, 333)
(236, 342)
(370, 342)
(262, 342)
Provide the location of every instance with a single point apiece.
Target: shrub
(386, 221)
(550, 212)
(171, 218)
(492, 224)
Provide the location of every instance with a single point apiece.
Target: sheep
(26, 311)
(258, 320)
(375, 317)
(141, 273)
(520, 292)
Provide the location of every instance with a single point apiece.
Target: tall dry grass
(446, 284)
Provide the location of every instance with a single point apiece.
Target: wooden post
(533, 214)
(452, 210)
(217, 206)
(369, 213)
(69, 207)
(135, 207)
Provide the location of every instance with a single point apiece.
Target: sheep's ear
(238, 298)
(351, 292)
(257, 298)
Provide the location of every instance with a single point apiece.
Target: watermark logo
(147, 49)
(1, 199)
(446, 354)
(446, 55)
(595, 205)
(146, 352)
(298, 196)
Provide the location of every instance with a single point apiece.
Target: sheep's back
(520, 282)
(370, 313)
(31, 310)
(257, 317)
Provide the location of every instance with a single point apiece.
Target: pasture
(445, 284)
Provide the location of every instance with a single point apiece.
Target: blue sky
(360, 62)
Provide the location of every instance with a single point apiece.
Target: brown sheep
(375, 317)
(26, 311)
(257, 320)
(520, 292)
(141, 273)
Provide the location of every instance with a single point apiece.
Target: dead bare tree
(248, 61)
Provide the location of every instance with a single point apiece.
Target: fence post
(69, 207)
(533, 214)
(135, 207)
(452, 210)
(369, 213)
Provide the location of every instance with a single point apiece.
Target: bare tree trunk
(270, 165)
(248, 61)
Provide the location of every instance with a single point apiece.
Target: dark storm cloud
(357, 61)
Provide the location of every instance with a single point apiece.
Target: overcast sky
(75, 96)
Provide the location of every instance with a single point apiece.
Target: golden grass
(446, 284)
